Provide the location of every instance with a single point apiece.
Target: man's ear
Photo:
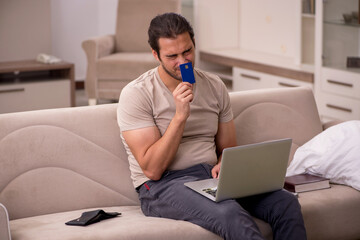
(155, 55)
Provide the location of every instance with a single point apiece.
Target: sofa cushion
(333, 154)
(331, 213)
(72, 155)
(125, 66)
(132, 224)
(267, 114)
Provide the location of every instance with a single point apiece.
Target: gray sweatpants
(231, 219)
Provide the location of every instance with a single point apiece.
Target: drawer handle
(340, 83)
(339, 108)
(12, 90)
(250, 77)
(287, 84)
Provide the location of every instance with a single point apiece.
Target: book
(305, 182)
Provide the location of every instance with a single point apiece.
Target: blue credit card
(187, 73)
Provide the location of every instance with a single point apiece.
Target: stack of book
(305, 182)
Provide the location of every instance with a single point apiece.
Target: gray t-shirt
(147, 102)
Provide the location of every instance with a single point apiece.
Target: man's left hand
(216, 170)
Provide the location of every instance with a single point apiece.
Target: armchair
(115, 60)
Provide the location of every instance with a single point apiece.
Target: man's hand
(183, 95)
(216, 170)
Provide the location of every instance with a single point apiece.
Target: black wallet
(91, 217)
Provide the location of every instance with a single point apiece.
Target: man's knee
(236, 222)
(290, 202)
(287, 208)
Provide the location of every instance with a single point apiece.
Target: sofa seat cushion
(125, 65)
(331, 213)
(132, 224)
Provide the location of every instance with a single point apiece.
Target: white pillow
(334, 154)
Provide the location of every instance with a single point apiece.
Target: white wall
(273, 28)
(55, 27)
(24, 29)
(73, 21)
(216, 23)
(107, 16)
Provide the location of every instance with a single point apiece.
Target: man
(174, 132)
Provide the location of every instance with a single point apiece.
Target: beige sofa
(55, 164)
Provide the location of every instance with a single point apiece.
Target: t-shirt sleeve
(134, 110)
(226, 114)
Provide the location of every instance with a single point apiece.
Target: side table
(31, 85)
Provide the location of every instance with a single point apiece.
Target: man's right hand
(183, 95)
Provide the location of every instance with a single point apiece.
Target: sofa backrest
(63, 159)
(73, 158)
(133, 20)
(267, 114)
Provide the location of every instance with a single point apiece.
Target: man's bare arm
(154, 152)
(225, 137)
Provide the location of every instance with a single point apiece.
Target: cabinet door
(337, 39)
(244, 79)
(340, 82)
(337, 107)
(340, 32)
(34, 96)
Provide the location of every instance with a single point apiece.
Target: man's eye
(188, 51)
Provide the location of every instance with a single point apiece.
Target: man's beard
(171, 74)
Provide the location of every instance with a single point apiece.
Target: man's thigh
(268, 206)
(170, 198)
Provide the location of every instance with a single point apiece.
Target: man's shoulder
(211, 78)
(139, 87)
(143, 79)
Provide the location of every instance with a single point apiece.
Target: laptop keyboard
(211, 191)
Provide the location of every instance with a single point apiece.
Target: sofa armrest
(99, 46)
(331, 123)
(96, 48)
(4, 224)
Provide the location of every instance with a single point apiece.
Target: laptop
(247, 170)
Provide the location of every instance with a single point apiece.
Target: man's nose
(182, 60)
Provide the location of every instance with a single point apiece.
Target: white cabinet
(338, 94)
(343, 83)
(270, 38)
(245, 79)
(269, 43)
(337, 86)
(333, 106)
(35, 95)
(30, 85)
